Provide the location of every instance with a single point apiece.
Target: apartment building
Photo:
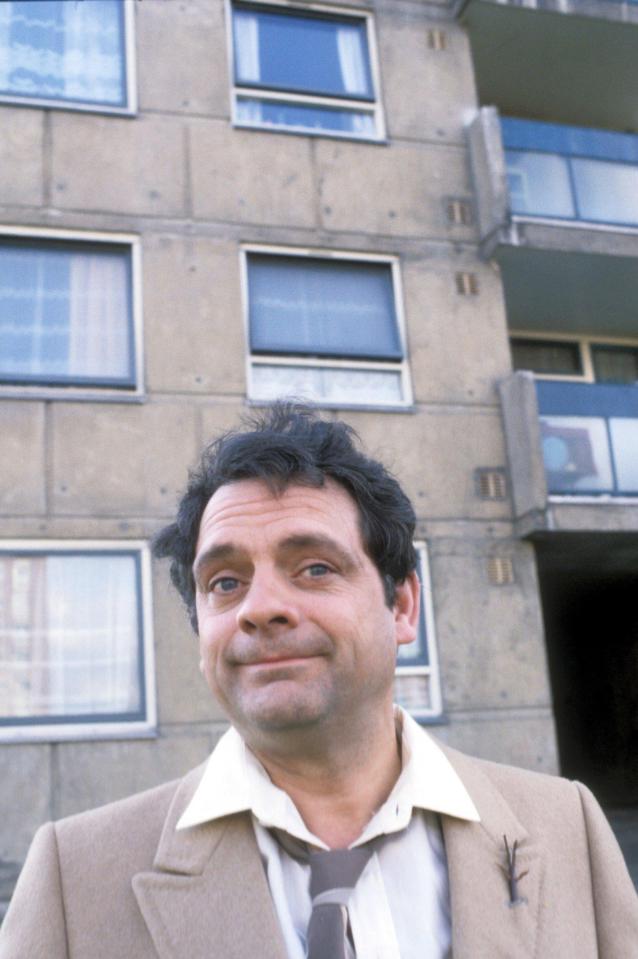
(421, 215)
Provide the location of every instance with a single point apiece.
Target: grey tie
(333, 876)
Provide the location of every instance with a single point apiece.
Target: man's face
(293, 625)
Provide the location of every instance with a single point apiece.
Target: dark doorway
(589, 592)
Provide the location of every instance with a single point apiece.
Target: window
(576, 358)
(67, 54)
(75, 646)
(551, 357)
(304, 70)
(417, 685)
(67, 313)
(325, 329)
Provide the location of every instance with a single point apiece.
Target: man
(325, 820)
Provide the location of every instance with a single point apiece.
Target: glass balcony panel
(606, 192)
(576, 454)
(539, 184)
(624, 441)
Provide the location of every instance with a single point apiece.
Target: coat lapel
(207, 894)
(484, 919)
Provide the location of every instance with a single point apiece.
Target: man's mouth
(288, 659)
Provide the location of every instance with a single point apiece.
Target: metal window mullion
(325, 362)
(587, 361)
(612, 458)
(572, 184)
(264, 91)
(311, 99)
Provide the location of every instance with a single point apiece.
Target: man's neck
(338, 792)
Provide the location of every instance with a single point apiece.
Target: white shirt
(400, 906)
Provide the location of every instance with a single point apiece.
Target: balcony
(572, 454)
(564, 61)
(549, 186)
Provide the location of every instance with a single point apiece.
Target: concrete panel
(194, 331)
(114, 460)
(490, 638)
(216, 419)
(128, 165)
(587, 517)
(22, 467)
(26, 788)
(83, 527)
(92, 774)
(457, 344)
(489, 175)
(228, 184)
(394, 190)
(523, 440)
(515, 738)
(21, 156)
(197, 80)
(182, 693)
(434, 455)
(426, 92)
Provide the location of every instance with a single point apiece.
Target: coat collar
(208, 893)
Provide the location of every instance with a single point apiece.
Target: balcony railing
(571, 173)
(589, 435)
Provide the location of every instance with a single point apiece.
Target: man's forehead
(252, 502)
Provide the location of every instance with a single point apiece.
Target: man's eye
(225, 584)
(316, 570)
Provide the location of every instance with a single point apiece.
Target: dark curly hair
(292, 444)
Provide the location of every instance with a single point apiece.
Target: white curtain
(351, 60)
(91, 62)
(92, 618)
(98, 316)
(246, 29)
(249, 111)
(69, 639)
(66, 50)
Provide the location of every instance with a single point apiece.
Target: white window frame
(130, 108)
(89, 392)
(374, 108)
(274, 359)
(137, 729)
(584, 343)
(432, 671)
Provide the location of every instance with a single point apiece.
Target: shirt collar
(235, 781)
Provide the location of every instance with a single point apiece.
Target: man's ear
(407, 603)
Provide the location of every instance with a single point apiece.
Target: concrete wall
(193, 188)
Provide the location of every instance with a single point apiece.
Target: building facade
(420, 215)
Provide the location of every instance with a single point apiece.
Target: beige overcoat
(120, 883)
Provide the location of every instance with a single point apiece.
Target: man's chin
(280, 712)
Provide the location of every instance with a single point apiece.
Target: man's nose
(267, 606)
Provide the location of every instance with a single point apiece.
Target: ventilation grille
(458, 211)
(500, 570)
(491, 484)
(437, 39)
(467, 284)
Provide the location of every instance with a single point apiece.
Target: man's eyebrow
(220, 551)
(299, 541)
